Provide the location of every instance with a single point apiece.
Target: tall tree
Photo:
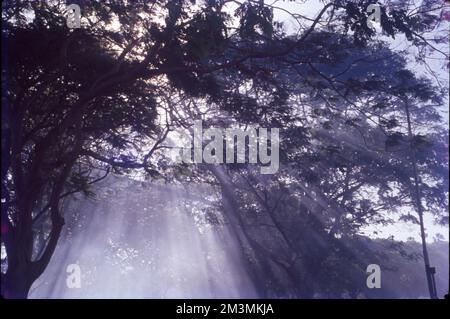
(76, 101)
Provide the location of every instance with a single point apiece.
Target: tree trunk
(429, 271)
(22, 271)
(16, 283)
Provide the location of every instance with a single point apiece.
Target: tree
(84, 100)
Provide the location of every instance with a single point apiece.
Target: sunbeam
(142, 242)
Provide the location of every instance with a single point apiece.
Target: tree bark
(15, 283)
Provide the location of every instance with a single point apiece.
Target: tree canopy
(81, 103)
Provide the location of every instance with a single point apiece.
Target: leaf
(390, 124)
(393, 140)
(409, 218)
(419, 142)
